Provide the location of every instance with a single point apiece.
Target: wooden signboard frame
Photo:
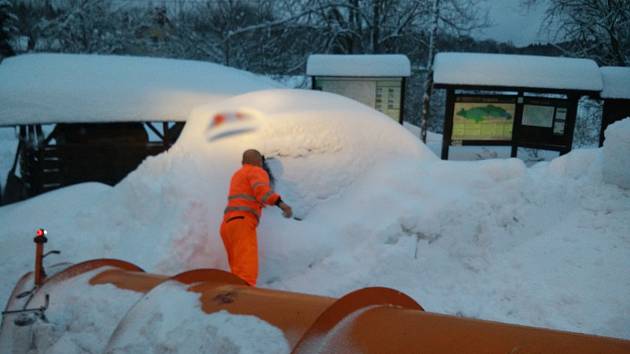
(524, 134)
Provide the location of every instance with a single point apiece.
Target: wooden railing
(50, 167)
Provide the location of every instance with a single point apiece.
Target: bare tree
(369, 26)
(598, 29)
(7, 28)
(262, 36)
(460, 17)
(85, 26)
(33, 20)
(428, 84)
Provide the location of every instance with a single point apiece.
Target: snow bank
(542, 246)
(477, 69)
(318, 143)
(616, 82)
(165, 215)
(170, 320)
(379, 65)
(81, 317)
(303, 129)
(105, 88)
(616, 156)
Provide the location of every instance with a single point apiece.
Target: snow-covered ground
(547, 245)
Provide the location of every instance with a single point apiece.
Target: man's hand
(286, 209)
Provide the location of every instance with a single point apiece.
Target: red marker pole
(40, 239)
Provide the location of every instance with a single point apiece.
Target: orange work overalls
(249, 192)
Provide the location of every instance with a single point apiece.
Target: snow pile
(542, 246)
(84, 318)
(378, 65)
(81, 317)
(106, 88)
(476, 69)
(318, 143)
(616, 156)
(170, 320)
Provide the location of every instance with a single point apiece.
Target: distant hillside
(469, 44)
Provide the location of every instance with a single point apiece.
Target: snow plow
(369, 320)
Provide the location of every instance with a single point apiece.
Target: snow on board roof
(71, 88)
(377, 65)
(616, 82)
(517, 71)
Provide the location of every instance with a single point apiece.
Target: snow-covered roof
(520, 71)
(377, 65)
(51, 88)
(616, 82)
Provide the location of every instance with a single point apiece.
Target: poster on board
(363, 91)
(382, 94)
(483, 118)
(560, 121)
(388, 97)
(538, 116)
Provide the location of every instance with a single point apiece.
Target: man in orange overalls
(250, 191)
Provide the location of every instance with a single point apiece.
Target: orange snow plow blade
(370, 320)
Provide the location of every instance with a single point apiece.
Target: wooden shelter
(83, 118)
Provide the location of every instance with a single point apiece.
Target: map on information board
(483, 121)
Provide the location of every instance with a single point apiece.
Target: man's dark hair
(265, 166)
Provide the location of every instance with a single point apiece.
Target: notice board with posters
(384, 94)
(376, 80)
(543, 91)
(545, 122)
(509, 120)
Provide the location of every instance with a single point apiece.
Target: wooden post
(518, 119)
(401, 106)
(571, 120)
(40, 239)
(448, 122)
(165, 140)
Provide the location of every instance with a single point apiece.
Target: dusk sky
(512, 22)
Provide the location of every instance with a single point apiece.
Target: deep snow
(509, 70)
(53, 88)
(545, 246)
(343, 65)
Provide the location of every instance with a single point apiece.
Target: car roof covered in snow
(616, 82)
(361, 65)
(73, 88)
(516, 71)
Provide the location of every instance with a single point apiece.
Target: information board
(545, 113)
(382, 94)
(483, 118)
